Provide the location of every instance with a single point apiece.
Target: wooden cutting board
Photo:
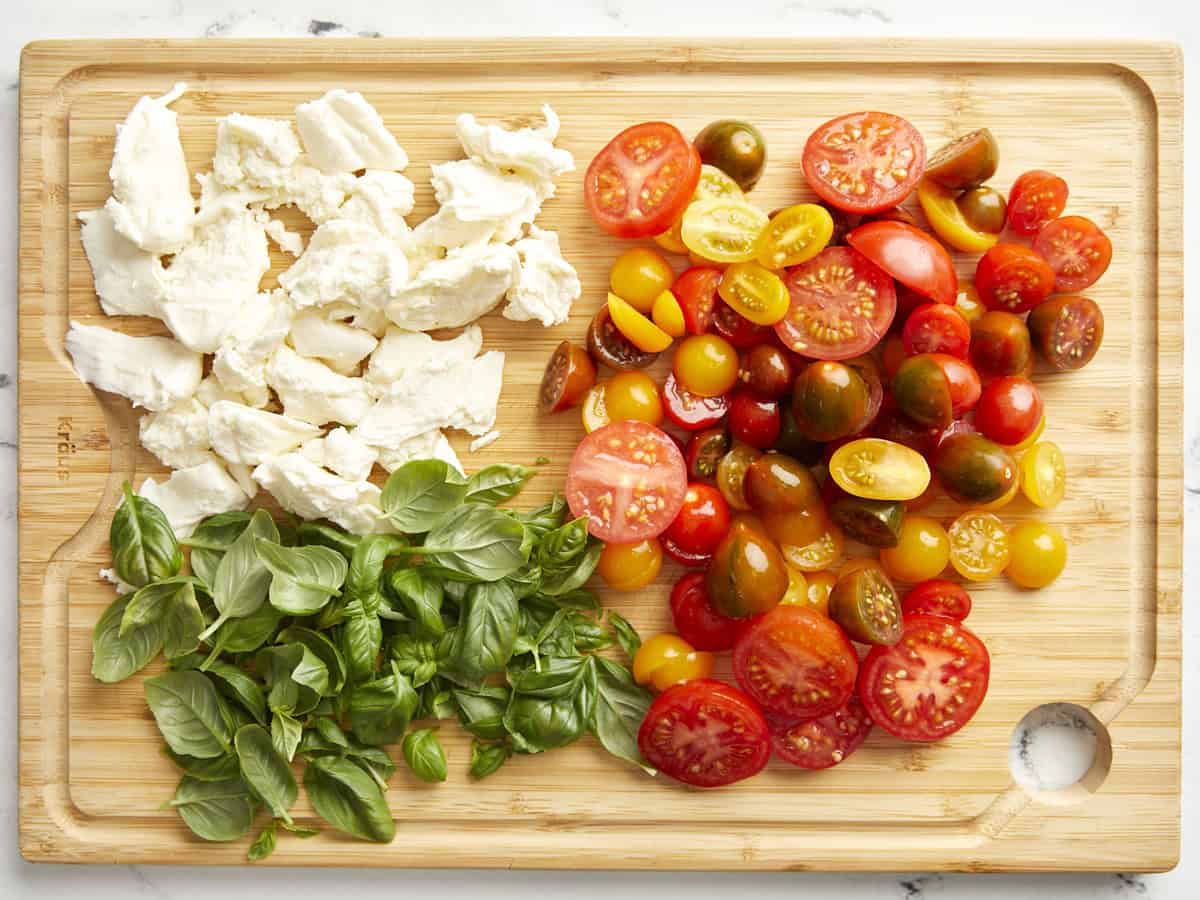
(1106, 636)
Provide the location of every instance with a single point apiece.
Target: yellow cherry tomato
(731, 474)
(594, 410)
(639, 275)
(948, 221)
(823, 553)
(922, 552)
(1004, 499)
(668, 659)
(820, 586)
(794, 235)
(627, 567)
(927, 497)
(668, 315)
(879, 469)
(757, 293)
(713, 184)
(1044, 475)
(1037, 554)
(979, 545)
(725, 230)
(706, 364)
(696, 259)
(1030, 440)
(968, 303)
(642, 333)
(797, 589)
(633, 396)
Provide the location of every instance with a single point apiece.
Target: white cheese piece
(153, 372)
(430, 445)
(380, 199)
(547, 285)
(305, 489)
(528, 151)
(193, 494)
(464, 397)
(152, 202)
(253, 151)
(211, 391)
(129, 281)
(313, 392)
(339, 346)
(110, 576)
(247, 436)
(260, 327)
(485, 441)
(178, 436)
(243, 475)
(478, 203)
(342, 132)
(457, 290)
(343, 453)
(407, 351)
(211, 280)
(287, 241)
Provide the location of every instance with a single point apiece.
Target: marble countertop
(1177, 20)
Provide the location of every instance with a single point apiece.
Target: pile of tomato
(831, 377)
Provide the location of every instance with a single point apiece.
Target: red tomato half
(691, 411)
(928, 685)
(841, 305)
(1013, 278)
(695, 619)
(1009, 410)
(965, 387)
(754, 420)
(696, 291)
(910, 255)
(629, 479)
(639, 184)
(824, 742)
(705, 733)
(1076, 249)
(937, 597)
(702, 521)
(737, 329)
(796, 663)
(864, 162)
(1036, 198)
(937, 328)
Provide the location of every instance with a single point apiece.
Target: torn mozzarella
(457, 290)
(343, 453)
(485, 441)
(380, 199)
(178, 436)
(342, 347)
(193, 494)
(528, 151)
(313, 392)
(153, 372)
(128, 280)
(260, 327)
(547, 285)
(342, 132)
(211, 391)
(305, 489)
(247, 436)
(430, 445)
(254, 151)
(406, 351)
(287, 241)
(477, 203)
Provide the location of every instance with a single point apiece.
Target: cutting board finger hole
(1060, 753)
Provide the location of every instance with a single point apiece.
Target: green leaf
(590, 635)
(322, 534)
(235, 684)
(264, 844)
(487, 758)
(302, 578)
(215, 810)
(211, 539)
(420, 492)
(182, 623)
(188, 711)
(537, 723)
(380, 710)
(627, 635)
(366, 567)
(360, 637)
(286, 733)
(144, 547)
(621, 705)
(349, 799)
(324, 735)
(424, 754)
(556, 678)
(300, 831)
(476, 543)
(557, 582)
(415, 657)
(436, 701)
(115, 658)
(496, 484)
(545, 518)
(265, 770)
(149, 604)
(481, 710)
(296, 677)
(247, 634)
(242, 580)
(218, 768)
(487, 630)
(325, 649)
(564, 544)
(419, 596)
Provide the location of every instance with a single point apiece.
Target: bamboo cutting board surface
(1106, 636)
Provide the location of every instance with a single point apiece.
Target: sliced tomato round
(629, 480)
(936, 328)
(795, 663)
(842, 305)
(691, 411)
(937, 597)
(696, 291)
(1036, 198)
(1076, 249)
(696, 620)
(642, 180)
(705, 733)
(824, 742)
(930, 684)
(909, 255)
(865, 161)
(1013, 278)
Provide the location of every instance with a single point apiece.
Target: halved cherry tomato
(937, 597)
(1013, 278)
(968, 303)
(875, 523)
(569, 375)
(1067, 331)
(639, 275)
(979, 545)
(910, 256)
(795, 235)
(1009, 410)
(879, 470)
(823, 553)
(696, 620)
(629, 479)
(1000, 344)
(747, 575)
(666, 660)
(754, 419)
(871, 374)
(706, 734)
(936, 328)
(1038, 554)
(824, 742)
(696, 291)
(667, 314)
(972, 469)
(642, 333)
(1076, 249)
(906, 301)
(1033, 437)
(1044, 475)
(737, 329)
(795, 663)
(704, 453)
(866, 605)
(983, 209)
(767, 371)
(702, 522)
(594, 411)
(642, 179)
(930, 684)
(706, 365)
(948, 221)
(736, 148)
(922, 552)
(724, 230)
(731, 474)
(933, 389)
(691, 411)
(1036, 198)
(966, 162)
(608, 346)
(713, 184)
(864, 162)
(628, 567)
(797, 591)
(754, 292)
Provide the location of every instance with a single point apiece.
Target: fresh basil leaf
(556, 678)
(300, 831)
(481, 710)
(235, 684)
(242, 580)
(218, 768)
(546, 517)
(436, 701)
(149, 604)
(579, 599)
(182, 623)
(322, 534)
(116, 657)
(487, 630)
(374, 761)
(419, 597)
(557, 582)
(496, 484)
(476, 543)
(349, 799)
(247, 634)
(537, 723)
(324, 735)
(420, 492)
(589, 634)
(360, 637)
(621, 705)
(325, 649)
(263, 845)
(144, 547)
(627, 635)
(415, 657)
(218, 532)
(366, 566)
(188, 711)
(215, 810)
(265, 770)
(296, 677)
(286, 733)
(380, 710)
(424, 754)
(487, 758)
(564, 544)
(302, 578)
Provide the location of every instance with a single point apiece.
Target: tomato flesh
(937, 597)
(1076, 249)
(1036, 198)
(569, 375)
(824, 742)
(910, 256)
(696, 291)
(864, 162)
(936, 328)
(1013, 278)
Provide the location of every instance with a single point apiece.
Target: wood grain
(1106, 635)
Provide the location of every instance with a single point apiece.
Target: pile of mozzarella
(313, 383)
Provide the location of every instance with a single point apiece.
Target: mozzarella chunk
(253, 151)
(178, 436)
(305, 489)
(153, 372)
(430, 445)
(152, 202)
(547, 285)
(247, 436)
(129, 281)
(457, 290)
(339, 346)
(193, 494)
(287, 241)
(343, 453)
(211, 391)
(342, 132)
(380, 199)
(110, 575)
(405, 351)
(313, 392)
(477, 203)
(527, 151)
(260, 327)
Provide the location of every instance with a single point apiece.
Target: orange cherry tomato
(921, 554)
(633, 395)
(642, 333)
(979, 545)
(667, 314)
(667, 659)
(627, 567)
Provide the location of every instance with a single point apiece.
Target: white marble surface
(27, 20)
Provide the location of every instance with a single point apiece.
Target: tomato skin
(696, 291)
(747, 575)
(910, 256)
(1000, 344)
(824, 742)
(570, 374)
(666, 660)
(704, 452)
(829, 400)
(698, 716)
(767, 371)
(706, 365)
(608, 346)
(731, 474)
(892, 355)
(696, 620)
(784, 494)
(702, 522)
(639, 329)
(795, 663)
(936, 328)
(1037, 554)
(737, 329)
(875, 523)
(974, 470)
(881, 147)
(628, 567)
(1009, 410)
(923, 551)
(633, 396)
(1076, 249)
(1067, 331)
(898, 687)
(689, 411)
(754, 419)
(944, 211)
(933, 389)
(966, 162)
(937, 597)
(865, 604)
(736, 148)
(639, 275)
(823, 553)
(1036, 198)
